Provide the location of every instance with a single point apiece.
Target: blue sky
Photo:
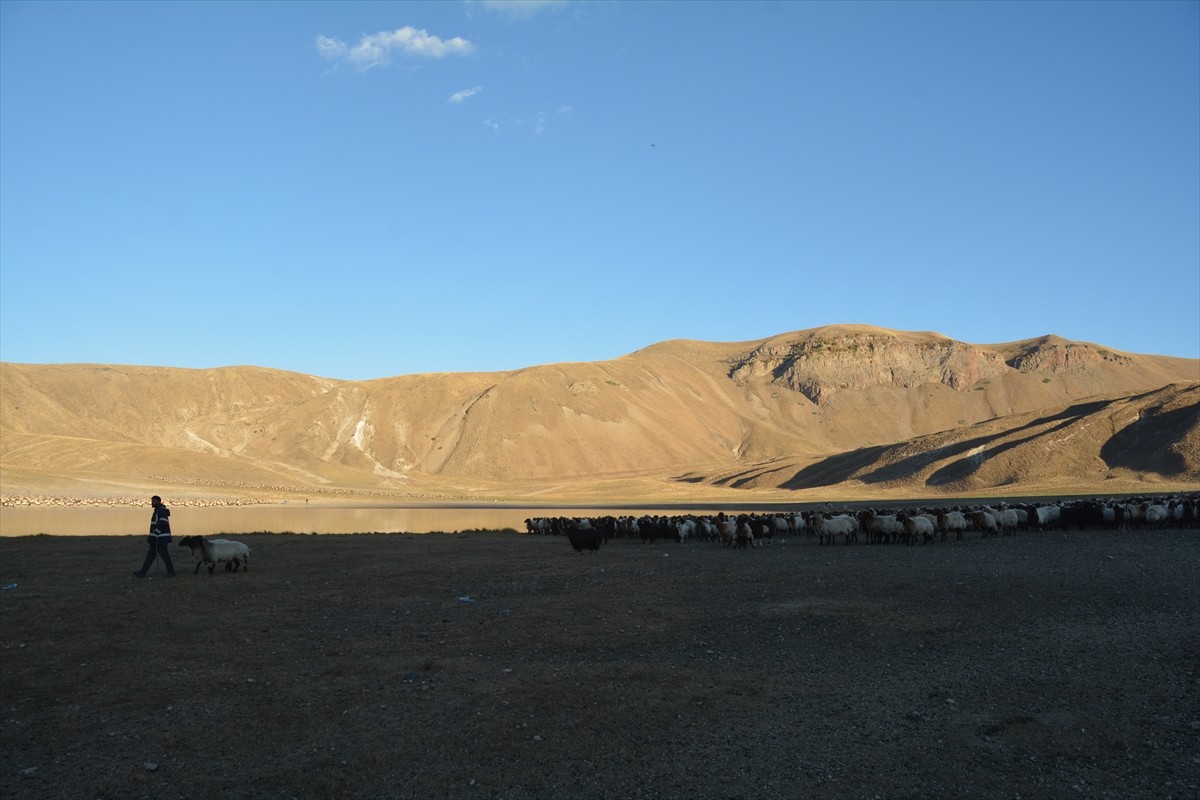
(361, 190)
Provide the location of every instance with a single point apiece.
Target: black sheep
(583, 536)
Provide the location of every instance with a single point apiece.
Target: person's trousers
(161, 546)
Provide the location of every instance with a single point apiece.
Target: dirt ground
(502, 665)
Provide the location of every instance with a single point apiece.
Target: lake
(299, 518)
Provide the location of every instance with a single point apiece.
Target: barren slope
(678, 408)
(1117, 441)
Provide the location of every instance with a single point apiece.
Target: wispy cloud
(521, 9)
(377, 49)
(539, 126)
(458, 97)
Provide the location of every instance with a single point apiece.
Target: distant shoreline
(641, 504)
(119, 518)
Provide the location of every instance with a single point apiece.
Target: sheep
(652, 528)
(765, 527)
(779, 524)
(932, 518)
(880, 528)
(1006, 519)
(1122, 516)
(727, 528)
(745, 534)
(1082, 515)
(684, 528)
(537, 525)
(952, 521)
(1047, 516)
(629, 527)
(1190, 513)
(583, 536)
(1155, 515)
(1022, 517)
(1182, 513)
(829, 529)
(214, 551)
(914, 526)
(984, 521)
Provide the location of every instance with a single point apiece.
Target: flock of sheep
(743, 531)
(904, 525)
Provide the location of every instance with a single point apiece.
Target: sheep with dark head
(214, 551)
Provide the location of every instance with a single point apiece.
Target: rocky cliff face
(819, 366)
(1053, 357)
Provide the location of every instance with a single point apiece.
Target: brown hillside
(1103, 441)
(832, 402)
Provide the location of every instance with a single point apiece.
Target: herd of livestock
(903, 525)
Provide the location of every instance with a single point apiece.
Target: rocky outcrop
(1057, 357)
(819, 366)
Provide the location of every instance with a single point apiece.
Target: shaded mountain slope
(1146, 437)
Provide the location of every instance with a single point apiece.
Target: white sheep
(948, 521)
(1155, 515)
(985, 522)
(684, 528)
(1047, 516)
(880, 527)
(828, 530)
(727, 528)
(916, 525)
(780, 524)
(1022, 518)
(214, 551)
(1006, 519)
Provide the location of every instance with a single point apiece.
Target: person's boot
(137, 574)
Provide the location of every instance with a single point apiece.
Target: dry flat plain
(502, 665)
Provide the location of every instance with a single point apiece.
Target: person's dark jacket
(160, 523)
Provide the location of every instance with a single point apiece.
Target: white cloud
(458, 97)
(492, 123)
(376, 49)
(522, 9)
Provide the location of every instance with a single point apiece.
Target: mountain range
(833, 412)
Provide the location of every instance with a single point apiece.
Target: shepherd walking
(160, 539)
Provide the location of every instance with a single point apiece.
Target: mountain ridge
(676, 416)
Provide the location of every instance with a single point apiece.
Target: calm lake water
(206, 521)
